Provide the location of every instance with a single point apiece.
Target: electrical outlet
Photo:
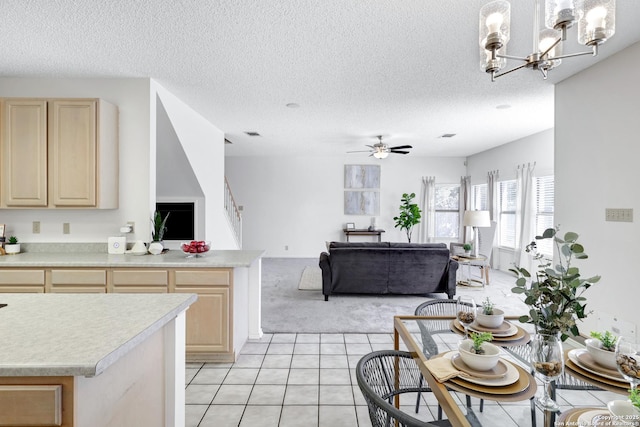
(286, 248)
(66, 229)
(36, 227)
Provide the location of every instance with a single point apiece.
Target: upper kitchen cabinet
(59, 153)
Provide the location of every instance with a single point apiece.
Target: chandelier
(596, 24)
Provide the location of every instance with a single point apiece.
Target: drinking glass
(628, 360)
(547, 362)
(466, 312)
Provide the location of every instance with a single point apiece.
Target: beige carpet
(311, 279)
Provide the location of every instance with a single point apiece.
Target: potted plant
(602, 347)
(478, 353)
(467, 249)
(157, 234)
(489, 316)
(409, 214)
(12, 247)
(554, 294)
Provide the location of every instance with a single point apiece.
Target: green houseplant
(159, 226)
(409, 216)
(554, 292)
(467, 248)
(12, 246)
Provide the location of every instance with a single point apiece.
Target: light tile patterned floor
(306, 380)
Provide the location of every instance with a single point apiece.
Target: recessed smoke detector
(293, 105)
(447, 135)
(252, 133)
(503, 106)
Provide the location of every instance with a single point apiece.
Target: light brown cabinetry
(22, 281)
(76, 281)
(140, 281)
(59, 153)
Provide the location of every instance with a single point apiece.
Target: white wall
(537, 148)
(597, 152)
(203, 145)
(132, 96)
(299, 201)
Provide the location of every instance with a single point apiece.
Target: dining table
(421, 334)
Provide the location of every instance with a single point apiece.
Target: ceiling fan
(381, 150)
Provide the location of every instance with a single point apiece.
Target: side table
(363, 232)
(466, 262)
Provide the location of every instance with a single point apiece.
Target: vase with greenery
(409, 216)
(554, 293)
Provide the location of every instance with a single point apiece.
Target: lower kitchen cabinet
(76, 281)
(22, 281)
(139, 281)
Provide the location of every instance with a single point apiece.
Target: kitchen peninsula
(92, 360)
(227, 283)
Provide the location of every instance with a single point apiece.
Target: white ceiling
(405, 69)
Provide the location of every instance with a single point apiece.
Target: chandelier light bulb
(494, 21)
(596, 18)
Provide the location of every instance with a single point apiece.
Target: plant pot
(12, 248)
(601, 356)
(479, 362)
(490, 320)
(156, 248)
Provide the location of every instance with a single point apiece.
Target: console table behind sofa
(387, 268)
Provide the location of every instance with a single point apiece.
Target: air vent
(226, 141)
(447, 135)
(252, 133)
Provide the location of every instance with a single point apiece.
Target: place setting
(487, 318)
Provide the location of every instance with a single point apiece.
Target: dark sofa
(387, 268)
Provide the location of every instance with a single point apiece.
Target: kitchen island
(228, 285)
(92, 360)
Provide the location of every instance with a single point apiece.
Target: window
(507, 195)
(447, 211)
(479, 197)
(544, 194)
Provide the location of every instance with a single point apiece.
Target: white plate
(574, 358)
(509, 378)
(591, 418)
(509, 332)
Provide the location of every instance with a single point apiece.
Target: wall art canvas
(361, 202)
(361, 176)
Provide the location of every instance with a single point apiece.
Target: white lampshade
(476, 219)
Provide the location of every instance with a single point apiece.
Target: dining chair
(438, 307)
(383, 375)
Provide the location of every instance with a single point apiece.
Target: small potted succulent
(489, 316)
(467, 249)
(12, 246)
(601, 347)
(478, 353)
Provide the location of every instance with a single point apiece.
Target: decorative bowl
(479, 362)
(601, 356)
(624, 412)
(490, 320)
(195, 248)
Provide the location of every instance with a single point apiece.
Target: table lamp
(476, 219)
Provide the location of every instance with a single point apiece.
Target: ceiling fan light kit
(596, 24)
(381, 150)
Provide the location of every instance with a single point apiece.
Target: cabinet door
(144, 281)
(207, 320)
(22, 281)
(78, 281)
(72, 156)
(24, 152)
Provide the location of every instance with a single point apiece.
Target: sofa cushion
(359, 269)
(416, 268)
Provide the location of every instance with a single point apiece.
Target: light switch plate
(618, 215)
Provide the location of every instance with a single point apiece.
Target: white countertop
(78, 334)
(172, 258)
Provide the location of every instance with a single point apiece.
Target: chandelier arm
(594, 52)
(551, 47)
(518, 58)
(509, 71)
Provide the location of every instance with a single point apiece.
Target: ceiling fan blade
(370, 146)
(400, 147)
(360, 151)
(400, 152)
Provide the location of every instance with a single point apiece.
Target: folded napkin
(442, 369)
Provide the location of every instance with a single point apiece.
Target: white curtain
(492, 195)
(426, 228)
(465, 205)
(525, 215)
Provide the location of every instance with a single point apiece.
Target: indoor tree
(409, 214)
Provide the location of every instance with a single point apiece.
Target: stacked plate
(588, 367)
(503, 333)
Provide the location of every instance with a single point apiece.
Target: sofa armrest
(325, 266)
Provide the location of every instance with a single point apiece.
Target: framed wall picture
(351, 226)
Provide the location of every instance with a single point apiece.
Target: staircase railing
(233, 213)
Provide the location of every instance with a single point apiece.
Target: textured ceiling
(405, 69)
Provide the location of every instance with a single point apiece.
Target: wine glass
(628, 360)
(466, 312)
(547, 362)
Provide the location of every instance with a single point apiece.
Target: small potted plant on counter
(159, 228)
(12, 246)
